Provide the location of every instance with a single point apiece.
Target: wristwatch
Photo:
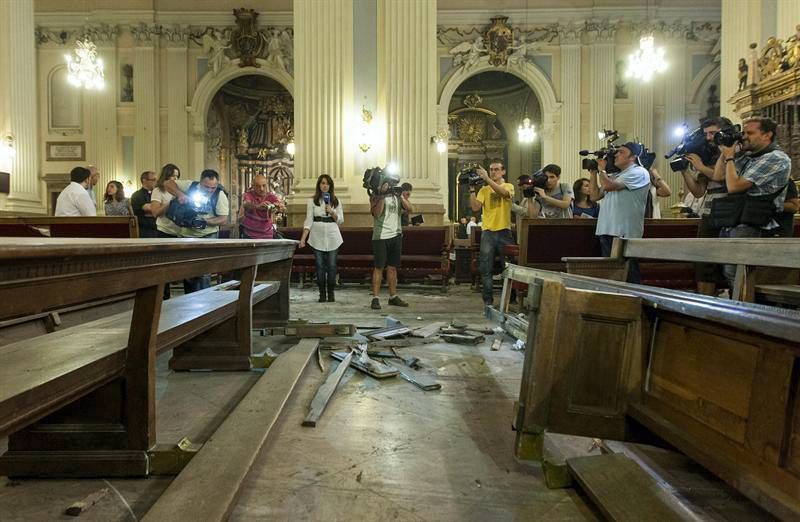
(729, 159)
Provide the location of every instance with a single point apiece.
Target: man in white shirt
(74, 200)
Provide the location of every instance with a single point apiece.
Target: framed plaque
(66, 151)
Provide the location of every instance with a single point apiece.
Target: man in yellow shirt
(495, 201)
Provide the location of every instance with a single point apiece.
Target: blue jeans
(492, 243)
(738, 231)
(199, 283)
(326, 267)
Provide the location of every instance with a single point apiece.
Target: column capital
(176, 36)
(601, 31)
(146, 35)
(570, 34)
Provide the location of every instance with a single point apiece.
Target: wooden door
(582, 364)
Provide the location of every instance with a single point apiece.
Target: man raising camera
(387, 241)
(495, 200)
(625, 197)
(711, 186)
(553, 201)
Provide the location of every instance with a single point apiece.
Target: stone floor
(382, 450)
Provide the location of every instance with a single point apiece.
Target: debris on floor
(79, 507)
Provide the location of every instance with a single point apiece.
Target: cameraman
(712, 186)
(210, 202)
(495, 200)
(387, 241)
(760, 169)
(625, 197)
(553, 201)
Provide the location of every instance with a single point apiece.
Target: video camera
(469, 176)
(694, 142)
(528, 183)
(375, 177)
(188, 215)
(607, 152)
(729, 136)
(647, 158)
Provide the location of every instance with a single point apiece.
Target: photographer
(761, 172)
(405, 220)
(625, 196)
(553, 201)
(209, 204)
(708, 186)
(387, 241)
(494, 199)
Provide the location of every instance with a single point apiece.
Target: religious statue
(243, 142)
(519, 53)
(214, 48)
(468, 54)
(274, 53)
(742, 74)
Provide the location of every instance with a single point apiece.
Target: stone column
(788, 17)
(674, 82)
(145, 97)
(741, 26)
(570, 101)
(407, 88)
(324, 115)
(175, 39)
(601, 100)
(18, 109)
(102, 140)
(642, 102)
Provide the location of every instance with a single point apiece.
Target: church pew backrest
(124, 227)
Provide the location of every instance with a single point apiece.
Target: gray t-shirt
(622, 212)
(563, 192)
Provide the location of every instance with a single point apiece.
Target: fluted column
(407, 87)
(674, 82)
(601, 101)
(145, 97)
(18, 110)
(788, 17)
(741, 26)
(642, 102)
(324, 112)
(102, 114)
(175, 40)
(570, 101)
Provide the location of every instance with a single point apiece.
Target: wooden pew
(545, 242)
(746, 254)
(100, 226)
(90, 410)
(717, 379)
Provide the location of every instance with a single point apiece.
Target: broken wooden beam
(372, 368)
(415, 377)
(208, 487)
(557, 448)
(428, 330)
(312, 330)
(325, 392)
(463, 338)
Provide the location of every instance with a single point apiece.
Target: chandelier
(84, 67)
(646, 61)
(526, 132)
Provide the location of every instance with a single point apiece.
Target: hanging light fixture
(526, 132)
(648, 60)
(84, 67)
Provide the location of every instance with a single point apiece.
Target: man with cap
(624, 196)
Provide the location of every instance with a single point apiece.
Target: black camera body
(375, 177)
(185, 215)
(729, 136)
(606, 152)
(528, 183)
(647, 158)
(469, 176)
(692, 143)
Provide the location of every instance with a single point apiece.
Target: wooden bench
(426, 252)
(81, 401)
(545, 242)
(750, 256)
(717, 379)
(100, 226)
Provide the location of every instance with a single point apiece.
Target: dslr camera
(375, 177)
(528, 183)
(606, 152)
(469, 176)
(729, 136)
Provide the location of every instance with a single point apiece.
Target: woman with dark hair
(116, 202)
(324, 215)
(582, 205)
(159, 202)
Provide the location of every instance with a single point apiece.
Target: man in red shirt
(258, 205)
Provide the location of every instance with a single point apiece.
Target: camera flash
(601, 135)
(679, 131)
(392, 168)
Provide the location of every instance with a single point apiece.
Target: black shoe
(331, 297)
(396, 301)
(376, 303)
(322, 296)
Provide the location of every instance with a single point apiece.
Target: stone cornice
(518, 17)
(71, 19)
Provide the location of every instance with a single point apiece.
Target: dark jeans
(606, 243)
(167, 291)
(492, 243)
(738, 231)
(202, 282)
(326, 267)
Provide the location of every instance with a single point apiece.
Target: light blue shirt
(622, 213)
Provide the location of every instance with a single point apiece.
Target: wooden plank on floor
(423, 380)
(623, 491)
(208, 487)
(325, 392)
(557, 448)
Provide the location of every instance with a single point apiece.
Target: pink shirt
(258, 222)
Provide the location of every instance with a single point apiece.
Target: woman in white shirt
(159, 202)
(324, 214)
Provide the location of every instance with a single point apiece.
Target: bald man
(259, 204)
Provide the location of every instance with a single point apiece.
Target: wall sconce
(365, 139)
(8, 148)
(440, 139)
